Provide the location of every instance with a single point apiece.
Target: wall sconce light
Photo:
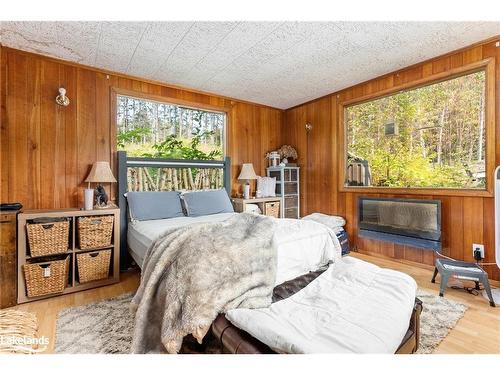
(308, 127)
(62, 99)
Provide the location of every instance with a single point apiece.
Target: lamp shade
(100, 172)
(247, 172)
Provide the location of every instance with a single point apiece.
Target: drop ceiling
(280, 64)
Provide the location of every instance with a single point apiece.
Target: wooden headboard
(134, 174)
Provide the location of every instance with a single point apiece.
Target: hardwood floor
(477, 332)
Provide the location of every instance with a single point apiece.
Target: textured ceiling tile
(242, 37)
(278, 64)
(157, 43)
(73, 41)
(117, 44)
(201, 39)
(281, 40)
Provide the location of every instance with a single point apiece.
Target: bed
(350, 289)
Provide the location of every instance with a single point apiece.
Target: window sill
(418, 191)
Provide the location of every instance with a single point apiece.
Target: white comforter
(353, 307)
(303, 246)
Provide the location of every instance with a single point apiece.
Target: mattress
(353, 307)
(142, 234)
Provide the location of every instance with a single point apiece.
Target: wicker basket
(93, 266)
(48, 238)
(95, 231)
(46, 278)
(272, 209)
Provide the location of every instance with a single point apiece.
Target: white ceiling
(280, 64)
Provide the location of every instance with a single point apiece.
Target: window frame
(115, 92)
(486, 65)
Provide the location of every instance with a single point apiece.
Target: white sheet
(141, 234)
(302, 246)
(353, 307)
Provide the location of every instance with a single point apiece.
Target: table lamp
(247, 173)
(100, 172)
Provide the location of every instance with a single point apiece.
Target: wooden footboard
(410, 342)
(235, 341)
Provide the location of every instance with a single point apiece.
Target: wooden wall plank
(69, 119)
(18, 106)
(34, 132)
(473, 225)
(102, 119)
(455, 237)
(52, 160)
(85, 126)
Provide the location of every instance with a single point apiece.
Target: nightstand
(269, 206)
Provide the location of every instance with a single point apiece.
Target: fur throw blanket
(192, 274)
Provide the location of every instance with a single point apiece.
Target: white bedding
(142, 234)
(302, 246)
(353, 307)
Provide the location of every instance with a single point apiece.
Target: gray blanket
(192, 274)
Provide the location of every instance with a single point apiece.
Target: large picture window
(432, 136)
(156, 129)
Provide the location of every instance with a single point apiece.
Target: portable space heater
(496, 179)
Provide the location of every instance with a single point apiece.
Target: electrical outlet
(480, 247)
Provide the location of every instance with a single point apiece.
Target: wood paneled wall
(465, 220)
(47, 150)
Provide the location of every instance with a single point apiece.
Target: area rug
(106, 326)
(438, 317)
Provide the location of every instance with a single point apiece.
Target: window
(427, 137)
(155, 129)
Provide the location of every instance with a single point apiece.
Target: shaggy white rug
(107, 326)
(438, 317)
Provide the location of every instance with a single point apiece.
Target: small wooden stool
(465, 270)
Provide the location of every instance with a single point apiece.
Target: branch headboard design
(156, 174)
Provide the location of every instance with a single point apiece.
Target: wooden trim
(421, 63)
(417, 191)
(422, 82)
(169, 100)
(488, 65)
(136, 78)
(115, 91)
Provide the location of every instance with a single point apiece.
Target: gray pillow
(153, 205)
(206, 202)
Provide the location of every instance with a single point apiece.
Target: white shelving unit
(288, 188)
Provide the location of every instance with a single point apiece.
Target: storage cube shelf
(93, 278)
(288, 188)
